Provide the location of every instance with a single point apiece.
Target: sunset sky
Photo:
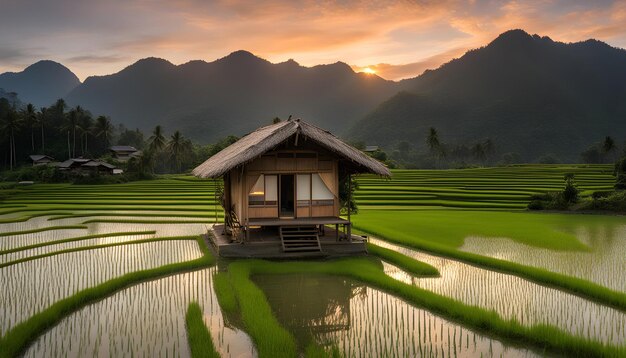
(397, 40)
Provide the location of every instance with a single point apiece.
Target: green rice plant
(87, 248)
(15, 341)
(139, 221)
(80, 238)
(270, 338)
(225, 293)
(42, 229)
(198, 336)
(406, 263)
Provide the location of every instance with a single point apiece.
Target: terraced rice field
(59, 241)
(480, 188)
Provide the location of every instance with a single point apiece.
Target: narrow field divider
(42, 229)
(199, 338)
(79, 238)
(93, 247)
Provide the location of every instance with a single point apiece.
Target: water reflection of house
(124, 152)
(41, 159)
(316, 304)
(281, 188)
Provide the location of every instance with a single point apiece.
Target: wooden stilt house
(286, 175)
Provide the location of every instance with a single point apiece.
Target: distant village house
(124, 152)
(41, 159)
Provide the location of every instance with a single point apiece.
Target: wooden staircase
(300, 238)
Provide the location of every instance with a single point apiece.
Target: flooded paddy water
(605, 264)
(514, 297)
(148, 319)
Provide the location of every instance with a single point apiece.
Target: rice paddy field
(457, 267)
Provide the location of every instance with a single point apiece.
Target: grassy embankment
(198, 336)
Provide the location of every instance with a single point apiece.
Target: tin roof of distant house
(123, 148)
(68, 163)
(97, 163)
(38, 157)
(265, 138)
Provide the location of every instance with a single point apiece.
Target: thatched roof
(265, 138)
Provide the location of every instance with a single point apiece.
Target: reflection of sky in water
(514, 297)
(145, 320)
(605, 264)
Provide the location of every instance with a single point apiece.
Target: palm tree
(478, 150)
(73, 121)
(157, 140)
(179, 149)
(433, 140)
(10, 124)
(29, 118)
(85, 125)
(104, 128)
(608, 146)
(41, 120)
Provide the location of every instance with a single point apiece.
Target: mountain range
(528, 94)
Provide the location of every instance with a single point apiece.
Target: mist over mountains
(528, 94)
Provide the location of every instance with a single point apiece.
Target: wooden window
(264, 192)
(303, 195)
(311, 190)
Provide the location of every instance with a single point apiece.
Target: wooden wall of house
(277, 163)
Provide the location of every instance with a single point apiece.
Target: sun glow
(368, 70)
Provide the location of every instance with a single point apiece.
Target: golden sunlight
(368, 71)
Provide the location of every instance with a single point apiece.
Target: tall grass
(198, 336)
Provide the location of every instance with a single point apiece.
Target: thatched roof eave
(264, 139)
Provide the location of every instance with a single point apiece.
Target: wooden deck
(265, 243)
(331, 220)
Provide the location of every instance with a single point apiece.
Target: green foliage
(620, 174)
(347, 188)
(607, 201)
(562, 200)
(570, 193)
(198, 336)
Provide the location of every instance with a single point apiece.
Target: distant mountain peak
(46, 64)
(40, 83)
(512, 37)
(242, 57)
